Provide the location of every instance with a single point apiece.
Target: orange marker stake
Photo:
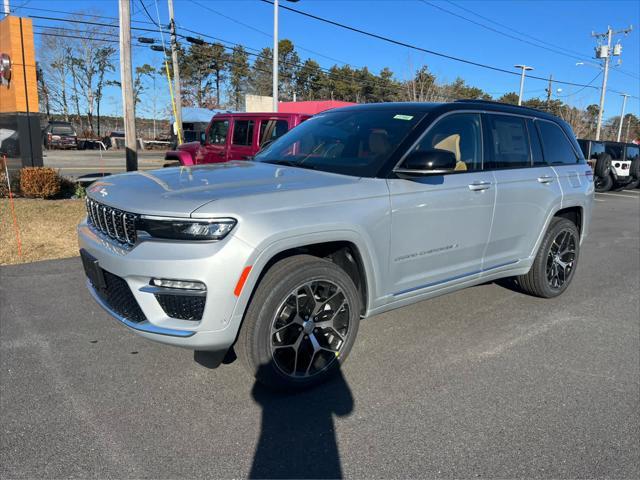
(13, 209)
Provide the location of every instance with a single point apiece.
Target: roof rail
(493, 102)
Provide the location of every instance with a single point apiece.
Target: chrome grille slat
(112, 222)
(124, 227)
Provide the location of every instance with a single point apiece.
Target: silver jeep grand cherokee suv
(357, 211)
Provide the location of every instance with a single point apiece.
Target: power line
(418, 48)
(581, 89)
(372, 81)
(586, 57)
(583, 56)
(89, 15)
(500, 32)
(251, 27)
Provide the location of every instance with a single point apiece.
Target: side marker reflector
(241, 280)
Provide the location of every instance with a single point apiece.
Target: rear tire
(603, 184)
(556, 261)
(301, 323)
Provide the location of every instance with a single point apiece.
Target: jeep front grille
(117, 224)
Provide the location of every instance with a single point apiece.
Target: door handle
(545, 179)
(479, 186)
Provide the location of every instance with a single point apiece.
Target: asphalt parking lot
(485, 382)
(74, 163)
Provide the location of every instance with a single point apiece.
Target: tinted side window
(555, 145)
(615, 151)
(243, 132)
(461, 134)
(536, 148)
(632, 153)
(218, 132)
(272, 129)
(509, 142)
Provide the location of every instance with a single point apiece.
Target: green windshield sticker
(403, 117)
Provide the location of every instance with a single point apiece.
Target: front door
(215, 148)
(441, 223)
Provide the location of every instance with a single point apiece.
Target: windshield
(355, 142)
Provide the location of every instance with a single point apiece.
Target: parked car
(599, 161)
(355, 212)
(60, 135)
(111, 140)
(235, 136)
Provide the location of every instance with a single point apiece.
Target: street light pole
(624, 104)
(275, 55)
(524, 68)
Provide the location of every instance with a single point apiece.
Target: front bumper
(216, 264)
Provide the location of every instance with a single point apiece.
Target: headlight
(186, 229)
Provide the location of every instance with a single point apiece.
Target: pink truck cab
(235, 136)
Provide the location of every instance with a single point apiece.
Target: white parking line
(616, 195)
(597, 200)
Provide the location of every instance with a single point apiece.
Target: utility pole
(604, 52)
(624, 104)
(275, 55)
(524, 68)
(176, 73)
(549, 90)
(126, 79)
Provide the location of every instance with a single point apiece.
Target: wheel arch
(345, 248)
(574, 213)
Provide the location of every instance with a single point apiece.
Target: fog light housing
(178, 284)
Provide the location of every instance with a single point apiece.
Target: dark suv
(60, 135)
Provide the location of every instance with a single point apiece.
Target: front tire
(300, 324)
(556, 261)
(603, 184)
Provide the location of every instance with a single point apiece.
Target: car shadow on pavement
(297, 436)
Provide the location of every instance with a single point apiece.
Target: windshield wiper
(289, 163)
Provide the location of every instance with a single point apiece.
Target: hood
(179, 191)
(189, 146)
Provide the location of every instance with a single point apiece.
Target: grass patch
(47, 229)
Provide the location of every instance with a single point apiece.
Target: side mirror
(428, 162)
(203, 138)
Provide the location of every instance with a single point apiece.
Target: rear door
(271, 129)
(243, 139)
(527, 188)
(215, 148)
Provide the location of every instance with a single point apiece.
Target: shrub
(39, 182)
(67, 187)
(15, 183)
(80, 192)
